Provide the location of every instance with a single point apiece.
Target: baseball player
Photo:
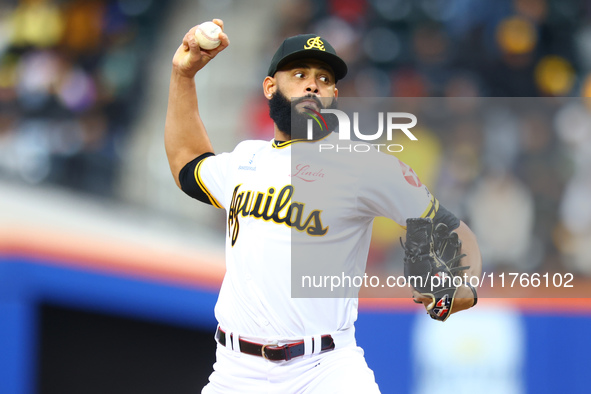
(269, 342)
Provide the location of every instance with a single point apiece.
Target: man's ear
(269, 87)
(336, 92)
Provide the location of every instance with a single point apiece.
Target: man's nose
(312, 87)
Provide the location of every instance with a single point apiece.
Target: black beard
(281, 109)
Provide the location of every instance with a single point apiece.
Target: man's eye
(299, 75)
(324, 79)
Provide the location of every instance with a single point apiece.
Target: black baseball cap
(308, 46)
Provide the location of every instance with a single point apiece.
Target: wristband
(473, 292)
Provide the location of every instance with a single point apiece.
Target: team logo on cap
(315, 43)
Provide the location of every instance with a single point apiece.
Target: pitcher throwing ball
(269, 342)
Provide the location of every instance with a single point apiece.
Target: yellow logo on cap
(315, 43)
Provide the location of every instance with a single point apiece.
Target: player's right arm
(185, 137)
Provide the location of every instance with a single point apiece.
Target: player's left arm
(473, 259)
(392, 189)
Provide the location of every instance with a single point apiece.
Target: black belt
(273, 352)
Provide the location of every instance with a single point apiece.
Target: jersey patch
(307, 174)
(410, 175)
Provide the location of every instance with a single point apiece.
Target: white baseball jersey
(327, 199)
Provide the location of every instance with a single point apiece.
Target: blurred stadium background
(109, 274)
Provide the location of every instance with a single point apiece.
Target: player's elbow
(175, 169)
(177, 159)
(175, 175)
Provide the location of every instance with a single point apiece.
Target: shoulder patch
(409, 174)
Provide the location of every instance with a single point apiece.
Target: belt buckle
(263, 351)
(274, 343)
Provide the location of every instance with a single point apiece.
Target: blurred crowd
(451, 48)
(517, 172)
(71, 76)
(407, 48)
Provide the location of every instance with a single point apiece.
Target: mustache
(307, 98)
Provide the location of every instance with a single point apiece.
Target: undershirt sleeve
(190, 182)
(444, 216)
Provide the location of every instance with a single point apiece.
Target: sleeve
(391, 188)
(446, 217)
(205, 178)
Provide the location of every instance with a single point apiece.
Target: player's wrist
(473, 291)
(182, 75)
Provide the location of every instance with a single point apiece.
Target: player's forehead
(307, 64)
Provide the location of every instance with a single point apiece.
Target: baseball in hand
(207, 35)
